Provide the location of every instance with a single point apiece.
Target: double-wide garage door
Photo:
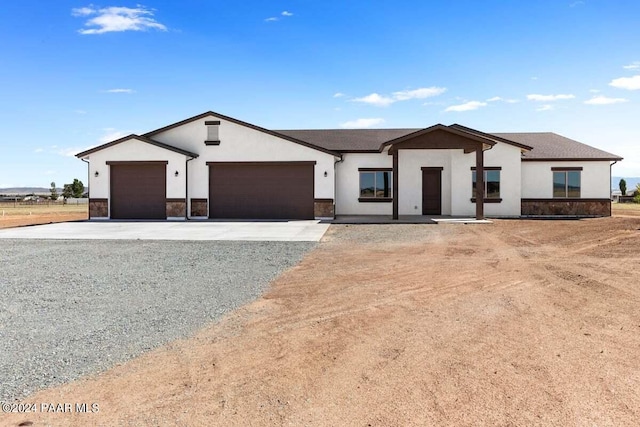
(261, 190)
(138, 190)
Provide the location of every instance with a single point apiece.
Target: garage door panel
(138, 190)
(261, 190)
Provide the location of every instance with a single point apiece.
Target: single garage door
(138, 190)
(261, 190)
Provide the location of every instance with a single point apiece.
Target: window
(375, 185)
(566, 183)
(491, 183)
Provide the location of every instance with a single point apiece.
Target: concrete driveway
(287, 231)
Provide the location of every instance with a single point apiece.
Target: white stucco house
(214, 166)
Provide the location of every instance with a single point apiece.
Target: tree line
(73, 190)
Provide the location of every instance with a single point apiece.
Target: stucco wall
(537, 179)
(134, 150)
(410, 163)
(500, 155)
(243, 144)
(456, 181)
(348, 184)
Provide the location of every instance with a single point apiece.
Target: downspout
(610, 191)
(88, 192)
(186, 188)
(335, 185)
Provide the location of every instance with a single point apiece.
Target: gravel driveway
(71, 308)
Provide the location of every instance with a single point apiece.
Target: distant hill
(26, 190)
(631, 182)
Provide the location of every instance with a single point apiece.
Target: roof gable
(138, 138)
(442, 128)
(245, 124)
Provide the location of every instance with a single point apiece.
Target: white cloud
(549, 98)
(635, 65)
(82, 11)
(420, 93)
(375, 99)
(594, 90)
(467, 106)
(629, 83)
(80, 111)
(38, 150)
(403, 95)
(117, 19)
(576, 3)
(120, 90)
(338, 95)
(498, 98)
(603, 100)
(284, 13)
(546, 107)
(362, 123)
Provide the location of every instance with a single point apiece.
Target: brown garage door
(261, 190)
(138, 190)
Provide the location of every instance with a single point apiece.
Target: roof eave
(141, 139)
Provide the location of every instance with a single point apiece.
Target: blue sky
(76, 74)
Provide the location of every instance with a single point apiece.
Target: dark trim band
(323, 200)
(573, 159)
(488, 168)
(212, 122)
(375, 169)
(566, 199)
(198, 200)
(311, 162)
(375, 199)
(176, 200)
(134, 162)
(212, 143)
(473, 200)
(562, 169)
(432, 168)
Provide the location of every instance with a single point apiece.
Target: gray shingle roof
(348, 139)
(545, 145)
(548, 145)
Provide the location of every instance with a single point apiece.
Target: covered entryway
(261, 190)
(138, 190)
(440, 137)
(432, 191)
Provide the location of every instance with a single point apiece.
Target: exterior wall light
(325, 174)
(176, 174)
(97, 174)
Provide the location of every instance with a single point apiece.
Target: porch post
(479, 182)
(395, 183)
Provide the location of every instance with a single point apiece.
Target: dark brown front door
(138, 190)
(431, 191)
(261, 190)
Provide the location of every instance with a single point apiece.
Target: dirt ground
(20, 215)
(517, 323)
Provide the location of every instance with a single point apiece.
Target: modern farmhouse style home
(213, 166)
